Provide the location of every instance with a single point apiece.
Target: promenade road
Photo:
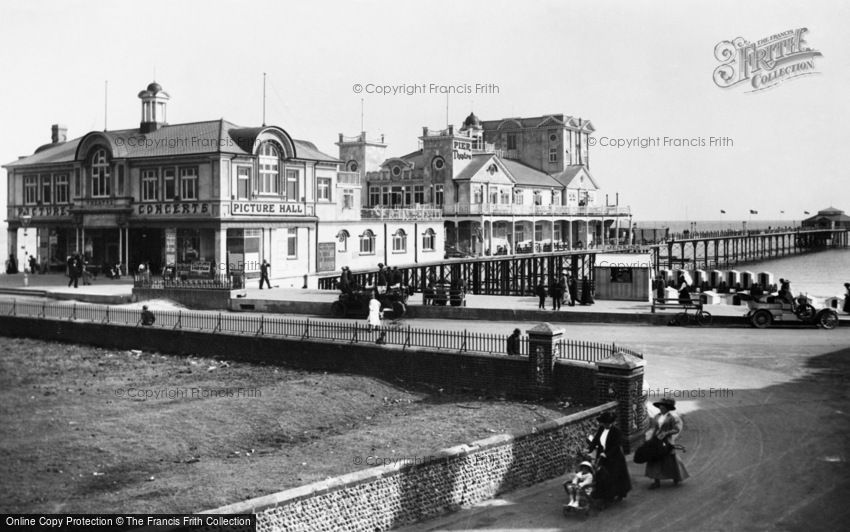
(766, 429)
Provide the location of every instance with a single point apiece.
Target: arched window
(428, 240)
(399, 241)
(101, 177)
(342, 237)
(367, 242)
(269, 181)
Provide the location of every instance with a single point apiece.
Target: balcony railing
(117, 203)
(534, 210)
(413, 213)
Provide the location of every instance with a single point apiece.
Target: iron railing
(393, 334)
(215, 282)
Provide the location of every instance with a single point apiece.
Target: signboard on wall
(170, 245)
(258, 208)
(326, 257)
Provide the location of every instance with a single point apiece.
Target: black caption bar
(129, 522)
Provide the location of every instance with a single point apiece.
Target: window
(150, 185)
(243, 182)
(478, 194)
(30, 189)
(367, 243)
(511, 141)
(419, 194)
(46, 188)
(60, 188)
(348, 198)
(408, 195)
(323, 185)
(518, 197)
(428, 239)
(438, 195)
(169, 186)
(399, 241)
(189, 183)
(100, 175)
(553, 155)
(538, 198)
(385, 196)
(556, 232)
(396, 171)
(621, 275)
(342, 238)
(374, 195)
(292, 243)
(519, 234)
(292, 185)
(269, 173)
(494, 196)
(504, 196)
(538, 232)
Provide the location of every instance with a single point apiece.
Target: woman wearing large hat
(613, 481)
(667, 425)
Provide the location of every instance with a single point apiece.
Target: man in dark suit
(264, 274)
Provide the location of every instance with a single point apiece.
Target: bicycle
(699, 317)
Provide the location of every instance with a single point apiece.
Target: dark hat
(668, 402)
(380, 265)
(607, 417)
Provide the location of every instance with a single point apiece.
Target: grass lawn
(80, 436)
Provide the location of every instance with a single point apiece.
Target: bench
(662, 304)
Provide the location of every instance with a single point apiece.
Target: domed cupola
(154, 101)
(472, 122)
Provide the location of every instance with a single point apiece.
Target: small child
(580, 484)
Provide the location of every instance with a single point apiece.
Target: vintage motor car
(763, 313)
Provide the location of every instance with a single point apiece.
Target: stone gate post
(543, 349)
(620, 378)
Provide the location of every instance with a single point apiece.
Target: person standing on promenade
(381, 280)
(513, 343)
(540, 292)
(562, 286)
(684, 291)
(572, 287)
(586, 295)
(374, 318)
(666, 426)
(264, 274)
(557, 294)
(608, 444)
(846, 298)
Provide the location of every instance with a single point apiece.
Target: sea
(818, 274)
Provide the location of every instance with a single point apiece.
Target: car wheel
(338, 309)
(761, 319)
(828, 319)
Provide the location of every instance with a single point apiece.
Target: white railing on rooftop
(412, 213)
(534, 210)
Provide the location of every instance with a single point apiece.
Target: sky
(635, 69)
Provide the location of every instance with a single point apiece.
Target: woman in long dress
(608, 444)
(374, 318)
(667, 426)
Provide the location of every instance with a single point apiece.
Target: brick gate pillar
(543, 348)
(620, 378)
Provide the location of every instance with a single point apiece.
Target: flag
(722, 211)
(753, 212)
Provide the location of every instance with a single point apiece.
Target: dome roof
(471, 121)
(154, 87)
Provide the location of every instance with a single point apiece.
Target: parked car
(763, 313)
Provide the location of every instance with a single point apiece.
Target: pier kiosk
(625, 277)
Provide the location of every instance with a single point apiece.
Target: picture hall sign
(266, 208)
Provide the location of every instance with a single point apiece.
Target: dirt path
(767, 451)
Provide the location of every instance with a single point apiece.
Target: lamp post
(25, 222)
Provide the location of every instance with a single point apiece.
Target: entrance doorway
(146, 245)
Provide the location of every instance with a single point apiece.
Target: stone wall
(390, 496)
(479, 373)
(195, 298)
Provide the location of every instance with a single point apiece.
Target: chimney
(58, 133)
